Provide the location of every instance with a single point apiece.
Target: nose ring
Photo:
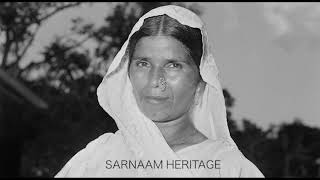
(162, 83)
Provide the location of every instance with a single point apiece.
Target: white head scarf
(142, 135)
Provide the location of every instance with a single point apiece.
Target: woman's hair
(167, 26)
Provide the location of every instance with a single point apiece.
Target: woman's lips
(156, 99)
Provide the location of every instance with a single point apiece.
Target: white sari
(139, 139)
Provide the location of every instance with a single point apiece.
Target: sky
(267, 54)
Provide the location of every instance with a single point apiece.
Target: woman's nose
(155, 76)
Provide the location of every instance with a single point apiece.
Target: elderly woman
(162, 90)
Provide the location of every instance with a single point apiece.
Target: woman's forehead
(164, 46)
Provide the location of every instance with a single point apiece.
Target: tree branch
(79, 43)
(58, 10)
(19, 56)
(35, 64)
(22, 90)
(9, 94)
(6, 51)
(32, 65)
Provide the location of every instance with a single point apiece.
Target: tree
(19, 24)
(294, 142)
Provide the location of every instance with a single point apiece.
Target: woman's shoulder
(101, 140)
(76, 164)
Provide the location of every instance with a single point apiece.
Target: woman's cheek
(182, 80)
(139, 79)
(183, 87)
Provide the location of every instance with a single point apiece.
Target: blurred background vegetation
(49, 110)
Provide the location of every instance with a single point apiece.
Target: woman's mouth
(156, 99)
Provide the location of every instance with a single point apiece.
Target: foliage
(19, 23)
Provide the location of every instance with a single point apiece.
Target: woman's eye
(142, 64)
(175, 65)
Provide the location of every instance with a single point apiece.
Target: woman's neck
(177, 131)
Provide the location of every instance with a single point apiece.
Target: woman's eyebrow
(178, 60)
(139, 58)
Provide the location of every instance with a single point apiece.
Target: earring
(199, 93)
(196, 99)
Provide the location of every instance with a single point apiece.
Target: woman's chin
(160, 120)
(158, 117)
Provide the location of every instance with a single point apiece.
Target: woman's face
(165, 58)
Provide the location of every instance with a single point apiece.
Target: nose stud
(162, 84)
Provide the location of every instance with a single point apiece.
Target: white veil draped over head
(138, 137)
(116, 97)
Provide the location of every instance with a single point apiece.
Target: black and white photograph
(160, 89)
